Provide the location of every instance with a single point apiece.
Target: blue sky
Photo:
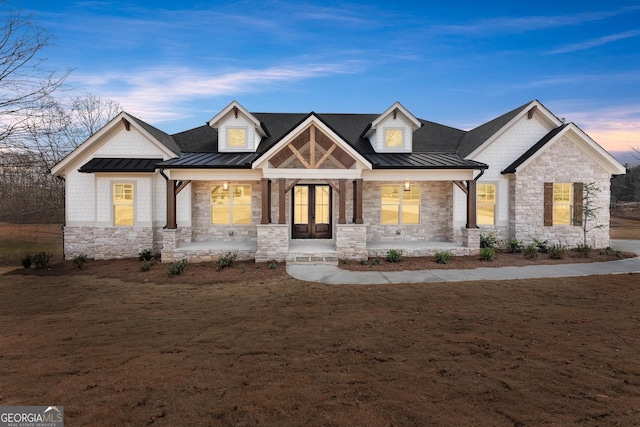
(176, 64)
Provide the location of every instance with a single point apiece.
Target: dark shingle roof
(476, 137)
(534, 149)
(107, 164)
(164, 138)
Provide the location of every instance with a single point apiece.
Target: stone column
(471, 239)
(273, 242)
(351, 241)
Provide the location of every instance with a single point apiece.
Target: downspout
(65, 213)
(479, 175)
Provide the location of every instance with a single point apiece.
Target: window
(563, 203)
(400, 206)
(486, 204)
(393, 138)
(236, 137)
(123, 205)
(231, 206)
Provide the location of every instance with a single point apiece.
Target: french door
(311, 212)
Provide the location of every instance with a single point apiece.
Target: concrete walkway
(333, 275)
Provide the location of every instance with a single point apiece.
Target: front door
(311, 212)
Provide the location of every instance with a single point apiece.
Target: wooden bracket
(127, 125)
(295, 181)
(335, 187)
(461, 186)
(531, 112)
(181, 185)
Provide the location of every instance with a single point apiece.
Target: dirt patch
(624, 228)
(277, 351)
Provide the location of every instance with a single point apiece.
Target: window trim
(231, 205)
(114, 204)
(401, 203)
(402, 139)
(495, 202)
(575, 207)
(246, 137)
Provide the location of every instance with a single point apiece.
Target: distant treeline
(626, 188)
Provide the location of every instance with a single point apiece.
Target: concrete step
(307, 258)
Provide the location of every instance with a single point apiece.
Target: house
(275, 186)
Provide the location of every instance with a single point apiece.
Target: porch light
(407, 186)
(225, 185)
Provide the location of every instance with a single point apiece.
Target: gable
(238, 130)
(392, 131)
(311, 145)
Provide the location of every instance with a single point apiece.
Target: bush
(146, 265)
(488, 241)
(487, 254)
(376, 261)
(609, 251)
(542, 245)
(42, 259)
(557, 251)
(79, 261)
(26, 260)
(514, 246)
(583, 250)
(177, 267)
(443, 257)
(227, 260)
(530, 251)
(394, 255)
(273, 265)
(146, 255)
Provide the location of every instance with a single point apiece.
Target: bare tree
(26, 84)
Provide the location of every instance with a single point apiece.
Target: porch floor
(312, 251)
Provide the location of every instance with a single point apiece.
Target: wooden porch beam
(335, 187)
(171, 205)
(472, 221)
(342, 211)
(181, 185)
(357, 201)
(265, 217)
(461, 186)
(282, 191)
(293, 184)
(326, 156)
(312, 147)
(299, 156)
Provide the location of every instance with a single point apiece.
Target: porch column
(282, 183)
(171, 205)
(266, 201)
(342, 211)
(471, 205)
(357, 201)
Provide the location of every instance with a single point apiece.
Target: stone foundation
(471, 240)
(273, 242)
(107, 242)
(351, 241)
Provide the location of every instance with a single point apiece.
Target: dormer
(392, 131)
(238, 130)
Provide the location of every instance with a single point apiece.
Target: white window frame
(114, 203)
(401, 204)
(495, 203)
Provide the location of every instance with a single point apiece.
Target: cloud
(487, 27)
(159, 94)
(616, 129)
(600, 41)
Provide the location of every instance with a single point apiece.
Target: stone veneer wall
(107, 242)
(563, 162)
(273, 242)
(203, 231)
(351, 241)
(436, 213)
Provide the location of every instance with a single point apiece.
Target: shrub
(514, 246)
(273, 265)
(79, 261)
(542, 245)
(609, 251)
(394, 255)
(42, 259)
(487, 254)
(488, 241)
(177, 267)
(227, 260)
(443, 257)
(530, 251)
(376, 261)
(146, 255)
(583, 250)
(557, 251)
(26, 260)
(146, 265)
